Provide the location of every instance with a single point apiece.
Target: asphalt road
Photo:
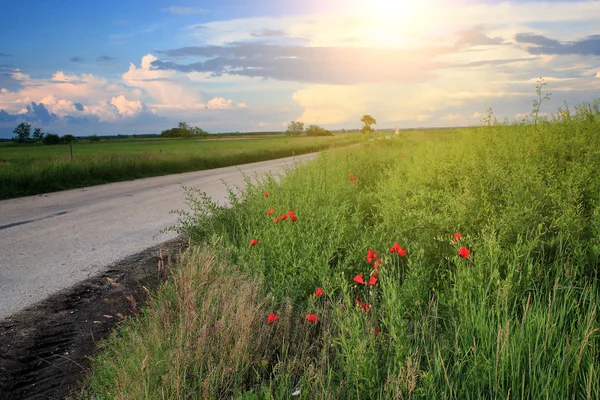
(53, 241)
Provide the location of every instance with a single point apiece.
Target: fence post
(70, 152)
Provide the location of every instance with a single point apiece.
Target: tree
(367, 120)
(22, 132)
(184, 130)
(51, 138)
(38, 135)
(316, 130)
(94, 138)
(295, 128)
(199, 132)
(66, 139)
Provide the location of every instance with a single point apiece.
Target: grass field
(484, 284)
(30, 169)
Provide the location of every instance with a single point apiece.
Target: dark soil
(44, 349)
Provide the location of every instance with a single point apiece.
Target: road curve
(53, 241)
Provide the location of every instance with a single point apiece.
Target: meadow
(34, 169)
(453, 265)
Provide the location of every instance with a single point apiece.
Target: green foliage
(38, 135)
(367, 121)
(185, 131)
(537, 103)
(51, 138)
(316, 130)
(22, 132)
(517, 319)
(94, 138)
(295, 128)
(39, 169)
(66, 139)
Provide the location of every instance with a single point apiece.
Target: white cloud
(126, 107)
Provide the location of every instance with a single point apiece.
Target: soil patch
(44, 349)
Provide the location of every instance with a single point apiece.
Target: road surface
(53, 241)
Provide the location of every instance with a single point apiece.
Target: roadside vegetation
(33, 169)
(462, 264)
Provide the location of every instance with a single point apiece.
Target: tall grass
(518, 318)
(29, 170)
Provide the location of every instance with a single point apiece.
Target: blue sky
(131, 67)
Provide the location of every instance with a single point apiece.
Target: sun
(393, 23)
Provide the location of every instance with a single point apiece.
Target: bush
(51, 138)
(66, 139)
(316, 130)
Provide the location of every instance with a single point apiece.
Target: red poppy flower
(266, 194)
(376, 330)
(375, 272)
(253, 242)
(283, 217)
(312, 318)
(396, 248)
(372, 280)
(371, 255)
(271, 211)
(403, 156)
(272, 318)
(457, 236)
(276, 219)
(464, 252)
(291, 213)
(359, 279)
(376, 264)
(359, 303)
(366, 307)
(293, 218)
(319, 292)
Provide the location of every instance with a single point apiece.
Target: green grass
(518, 319)
(34, 169)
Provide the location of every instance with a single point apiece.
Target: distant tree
(51, 138)
(22, 132)
(199, 132)
(367, 121)
(38, 135)
(66, 139)
(316, 130)
(94, 138)
(295, 128)
(184, 126)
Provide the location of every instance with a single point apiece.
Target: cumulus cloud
(126, 107)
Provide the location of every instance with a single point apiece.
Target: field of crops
(33, 169)
(456, 265)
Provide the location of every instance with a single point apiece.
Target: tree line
(296, 128)
(184, 130)
(23, 135)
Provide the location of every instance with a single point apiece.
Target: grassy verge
(506, 309)
(29, 170)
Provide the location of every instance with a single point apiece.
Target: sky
(136, 67)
